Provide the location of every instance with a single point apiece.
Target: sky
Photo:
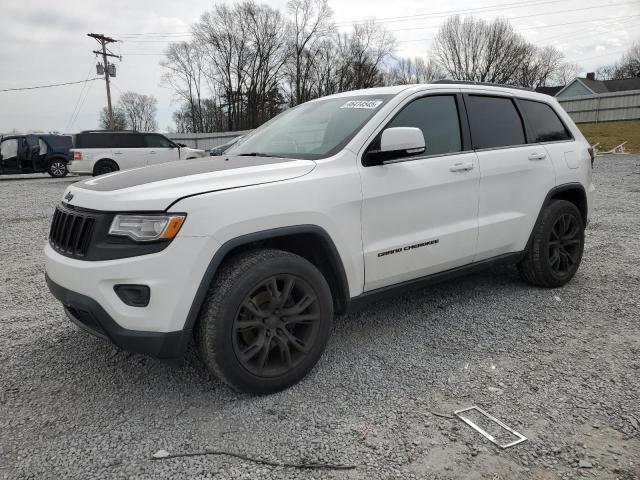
(45, 42)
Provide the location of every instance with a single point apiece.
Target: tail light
(77, 156)
(592, 154)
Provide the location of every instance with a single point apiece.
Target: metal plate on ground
(484, 433)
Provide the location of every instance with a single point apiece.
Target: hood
(157, 187)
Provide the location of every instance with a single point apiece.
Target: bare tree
(479, 50)
(184, 75)
(312, 23)
(246, 47)
(119, 119)
(139, 111)
(540, 66)
(412, 70)
(627, 67)
(567, 72)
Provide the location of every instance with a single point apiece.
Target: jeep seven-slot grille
(71, 232)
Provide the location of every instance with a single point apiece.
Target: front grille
(71, 232)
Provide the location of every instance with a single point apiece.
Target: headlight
(146, 228)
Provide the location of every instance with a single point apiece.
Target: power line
(527, 16)
(48, 86)
(84, 99)
(75, 107)
(582, 22)
(446, 13)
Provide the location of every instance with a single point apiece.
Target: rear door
(546, 128)
(129, 150)
(161, 149)
(419, 213)
(514, 176)
(9, 155)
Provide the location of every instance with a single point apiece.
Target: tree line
(248, 61)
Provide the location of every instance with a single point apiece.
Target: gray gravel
(561, 366)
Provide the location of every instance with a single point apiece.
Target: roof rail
(486, 84)
(109, 131)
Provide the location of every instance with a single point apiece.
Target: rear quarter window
(543, 122)
(494, 121)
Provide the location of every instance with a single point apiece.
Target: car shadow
(69, 179)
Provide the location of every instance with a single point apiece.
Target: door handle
(117, 153)
(152, 151)
(461, 167)
(537, 156)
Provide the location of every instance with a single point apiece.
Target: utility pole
(104, 41)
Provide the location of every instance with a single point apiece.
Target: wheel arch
(311, 242)
(57, 157)
(572, 192)
(103, 159)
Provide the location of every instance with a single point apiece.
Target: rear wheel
(266, 321)
(57, 168)
(105, 166)
(556, 248)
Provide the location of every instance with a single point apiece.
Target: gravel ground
(561, 366)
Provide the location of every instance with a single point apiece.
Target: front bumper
(87, 314)
(86, 289)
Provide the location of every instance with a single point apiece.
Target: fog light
(133, 295)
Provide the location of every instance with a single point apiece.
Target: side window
(494, 122)
(94, 140)
(128, 140)
(543, 122)
(157, 141)
(437, 117)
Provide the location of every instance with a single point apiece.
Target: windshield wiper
(255, 154)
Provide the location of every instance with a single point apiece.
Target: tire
(105, 166)
(57, 168)
(556, 246)
(243, 333)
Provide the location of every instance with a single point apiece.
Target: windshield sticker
(366, 104)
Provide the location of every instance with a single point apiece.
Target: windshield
(311, 130)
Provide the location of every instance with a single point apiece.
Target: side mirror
(396, 142)
(181, 145)
(404, 140)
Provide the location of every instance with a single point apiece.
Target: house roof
(607, 86)
(622, 85)
(549, 90)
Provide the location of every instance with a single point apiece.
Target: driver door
(160, 149)
(420, 212)
(9, 156)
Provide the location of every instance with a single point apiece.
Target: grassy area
(610, 134)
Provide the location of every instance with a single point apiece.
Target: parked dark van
(35, 153)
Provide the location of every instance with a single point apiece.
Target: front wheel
(57, 169)
(556, 247)
(266, 321)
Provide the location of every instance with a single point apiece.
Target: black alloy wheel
(564, 244)
(275, 325)
(266, 320)
(555, 248)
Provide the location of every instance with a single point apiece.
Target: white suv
(333, 203)
(97, 152)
